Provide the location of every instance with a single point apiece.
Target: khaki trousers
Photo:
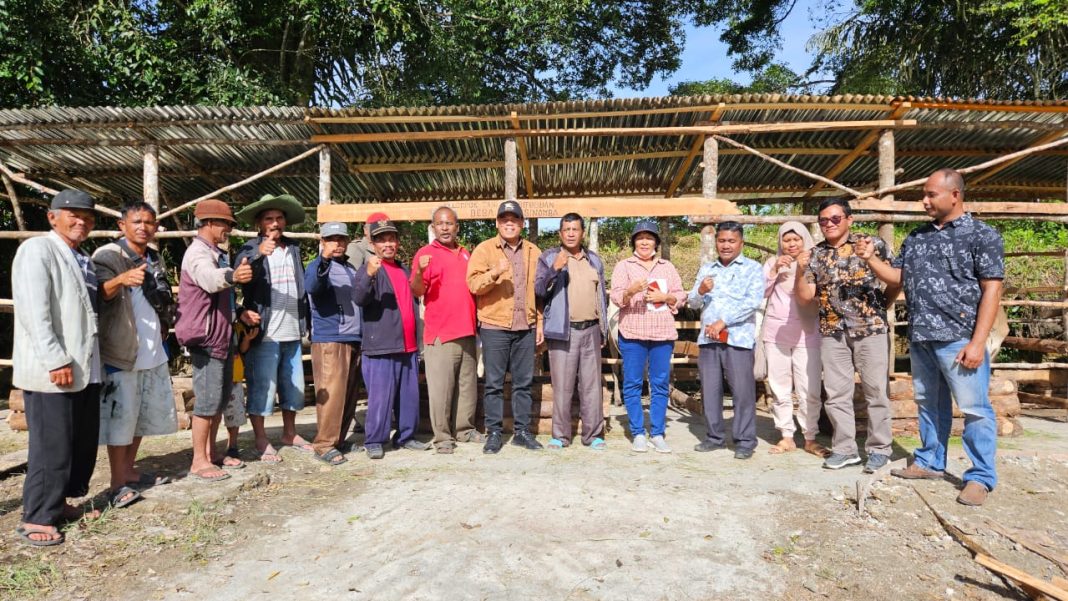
(452, 385)
(841, 357)
(336, 373)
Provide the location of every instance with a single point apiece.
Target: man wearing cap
(358, 251)
(335, 341)
(570, 282)
(57, 365)
(273, 364)
(390, 359)
(439, 277)
(501, 276)
(135, 314)
(205, 327)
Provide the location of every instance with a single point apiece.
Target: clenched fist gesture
(706, 285)
(373, 265)
(423, 262)
(864, 248)
(503, 265)
(803, 260)
(561, 260)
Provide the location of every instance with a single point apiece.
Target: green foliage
(773, 79)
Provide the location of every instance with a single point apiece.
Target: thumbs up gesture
(243, 272)
(373, 264)
(134, 277)
(270, 242)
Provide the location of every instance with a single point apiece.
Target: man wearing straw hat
(57, 365)
(273, 364)
(204, 327)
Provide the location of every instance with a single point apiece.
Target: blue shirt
(941, 270)
(735, 298)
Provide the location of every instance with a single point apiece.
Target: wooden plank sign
(538, 207)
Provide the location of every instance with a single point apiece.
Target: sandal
(331, 457)
(814, 448)
(24, 533)
(233, 452)
(784, 446)
(148, 480)
(555, 444)
(203, 475)
(229, 463)
(299, 444)
(269, 455)
(598, 444)
(123, 497)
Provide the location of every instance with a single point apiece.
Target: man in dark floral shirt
(853, 328)
(952, 270)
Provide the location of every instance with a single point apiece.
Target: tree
(773, 79)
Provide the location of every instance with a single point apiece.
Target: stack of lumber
(1003, 396)
(183, 401)
(16, 419)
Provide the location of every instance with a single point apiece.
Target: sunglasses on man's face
(836, 219)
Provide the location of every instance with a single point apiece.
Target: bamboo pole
(709, 189)
(981, 166)
(886, 229)
(13, 196)
(8, 235)
(679, 130)
(252, 178)
(1036, 344)
(324, 175)
(787, 167)
(150, 176)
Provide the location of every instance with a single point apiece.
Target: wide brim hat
(213, 208)
(289, 205)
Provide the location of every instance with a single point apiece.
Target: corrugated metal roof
(205, 148)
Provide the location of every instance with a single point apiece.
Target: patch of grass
(202, 526)
(26, 579)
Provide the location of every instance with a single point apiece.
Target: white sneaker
(660, 444)
(639, 445)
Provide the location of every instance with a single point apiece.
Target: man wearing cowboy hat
(276, 293)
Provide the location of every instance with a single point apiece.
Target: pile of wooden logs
(16, 419)
(1003, 396)
(183, 401)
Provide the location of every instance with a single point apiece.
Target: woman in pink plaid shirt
(648, 291)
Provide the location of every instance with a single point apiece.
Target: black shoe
(375, 451)
(493, 443)
(706, 446)
(526, 440)
(743, 453)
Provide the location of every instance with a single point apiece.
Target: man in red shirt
(390, 362)
(439, 277)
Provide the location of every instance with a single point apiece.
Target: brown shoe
(974, 494)
(915, 472)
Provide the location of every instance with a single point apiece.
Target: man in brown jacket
(501, 276)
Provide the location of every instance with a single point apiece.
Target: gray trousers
(868, 356)
(577, 359)
(715, 362)
(452, 385)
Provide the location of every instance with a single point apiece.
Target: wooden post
(511, 170)
(150, 179)
(665, 238)
(324, 175)
(709, 189)
(1064, 314)
(886, 230)
(592, 241)
(16, 208)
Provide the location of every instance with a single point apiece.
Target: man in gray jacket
(57, 365)
(135, 303)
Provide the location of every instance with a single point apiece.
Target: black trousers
(505, 351)
(64, 434)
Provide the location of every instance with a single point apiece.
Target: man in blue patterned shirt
(952, 270)
(729, 292)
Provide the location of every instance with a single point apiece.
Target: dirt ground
(570, 525)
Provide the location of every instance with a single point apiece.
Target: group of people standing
(825, 320)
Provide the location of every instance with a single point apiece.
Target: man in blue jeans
(276, 294)
(952, 270)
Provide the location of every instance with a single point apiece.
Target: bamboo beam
(687, 130)
(698, 144)
(1030, 208)
(1036, 344)
(282, 165)
(990, 107)
(981, 166)
(16, 208)
(9, 235)
(783, 165)
(120, 142)
(588, 207)
(1005, 165)
(524, 160)
(324, 176)
(865, 143)
(350, 163)
(150, 176)
(46, 190)
(511, 171)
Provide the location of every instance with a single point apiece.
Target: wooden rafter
(350, 163)
(524, 159)
(865, 143)
(1003, 166)
(695, 148)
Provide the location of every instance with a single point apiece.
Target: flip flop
(269, 455)
(24, 533)
(598, 444)
(240, 465)
(331, 457)
(779, 450)
(148, 480)
(233, 452)
(203, 476)
(115, 497)
(303, 446)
